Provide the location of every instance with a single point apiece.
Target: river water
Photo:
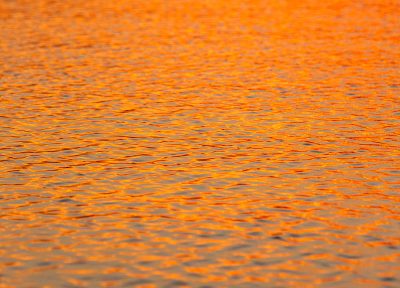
(199, 143)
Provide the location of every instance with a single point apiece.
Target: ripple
(199, 143)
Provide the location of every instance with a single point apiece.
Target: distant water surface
(199, 143)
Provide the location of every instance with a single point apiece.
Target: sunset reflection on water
(199, 143)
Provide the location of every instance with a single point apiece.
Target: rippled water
(199, 143)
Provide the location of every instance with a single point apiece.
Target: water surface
(199, 143)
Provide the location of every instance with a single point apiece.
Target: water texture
(199, 143)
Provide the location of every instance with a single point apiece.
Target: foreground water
(199, 143)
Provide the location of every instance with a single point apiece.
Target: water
(199, 143)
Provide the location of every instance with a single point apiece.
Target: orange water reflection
(199, 143)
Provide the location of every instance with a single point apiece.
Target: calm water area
(199, 143)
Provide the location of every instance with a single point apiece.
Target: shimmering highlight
(199, 143)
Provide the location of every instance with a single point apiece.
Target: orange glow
(240, 143)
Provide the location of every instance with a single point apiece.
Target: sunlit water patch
(199, 143)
